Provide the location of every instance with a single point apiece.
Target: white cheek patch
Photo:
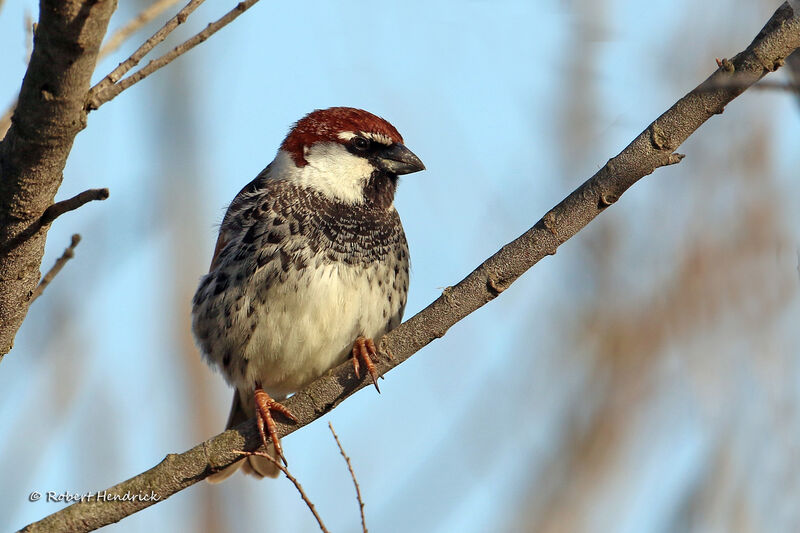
(331, 170)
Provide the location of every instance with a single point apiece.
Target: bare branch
(353, 476)
(296, 483)
(51, 213)
(145, 48)
(49, 114)
(147, 15)
(114, 42)
(68, 254)
(763, 85)
(71, 204)
(107, 89)
(653, 148)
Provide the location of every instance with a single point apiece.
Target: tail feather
(258, 467)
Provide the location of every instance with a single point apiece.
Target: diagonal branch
(147, 46)
(114, 42)
(68, 254)
(353, 477)
(109, 87)
(52, 213)
(146, 16)
(296, 484)
(653, 148)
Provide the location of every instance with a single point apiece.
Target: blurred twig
(653, 148)
(353, 476)
(296, 483)
(109, 87)
(68, 254)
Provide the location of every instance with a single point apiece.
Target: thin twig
(71, 204)
(353, 476)
(145, 48)
(296, 483)
(114, 42)
(107, 89)
(53, 212)
(146, 16)
(68, 254)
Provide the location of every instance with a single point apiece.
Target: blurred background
(644, 379)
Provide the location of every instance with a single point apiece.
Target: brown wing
(233, 209)
(221, 242)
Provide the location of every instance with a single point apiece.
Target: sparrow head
(347, 154)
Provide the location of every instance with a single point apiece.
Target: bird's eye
(361, 144)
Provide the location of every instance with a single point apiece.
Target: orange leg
(265, 404)
(365, 350)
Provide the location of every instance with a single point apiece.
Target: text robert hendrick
(101, 496)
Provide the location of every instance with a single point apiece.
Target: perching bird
(310, 267)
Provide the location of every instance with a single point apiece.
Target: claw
(264, 421)
(365, 350)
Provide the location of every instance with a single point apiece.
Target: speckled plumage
(311, 256)
(268, 297)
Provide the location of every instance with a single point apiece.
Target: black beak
(397, 159)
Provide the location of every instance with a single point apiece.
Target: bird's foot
(365, 350)
(265, 404)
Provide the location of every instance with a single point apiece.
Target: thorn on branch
(68, 254)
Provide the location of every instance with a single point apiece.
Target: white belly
(304, 328)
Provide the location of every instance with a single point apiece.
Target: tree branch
(109, 88)
(114, 42)
(71, 204)
(148, 14)
(146, 47)
(653, 148)
(68, 254)
(353, 477)
(49, 115)
(296, 484)
(51, 213)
